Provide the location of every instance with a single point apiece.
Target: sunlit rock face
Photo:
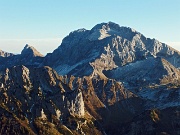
(108, 46)
(107, 80)
(33, 86)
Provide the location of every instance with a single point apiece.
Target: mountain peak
(27, 46)
(111, 26)
(30, 51)
(79, 30)
(107, 26)
(104, 30)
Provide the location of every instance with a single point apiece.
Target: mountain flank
(110, 80)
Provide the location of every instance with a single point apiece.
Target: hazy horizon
(45, 46)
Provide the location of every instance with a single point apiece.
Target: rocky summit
(110, 80)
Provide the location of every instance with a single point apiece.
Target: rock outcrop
(5, 54)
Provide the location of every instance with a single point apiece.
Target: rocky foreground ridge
(107, 80)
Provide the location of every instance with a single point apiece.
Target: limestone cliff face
(75, 103)
(40, 94)
(37, 94)
(105, 47)
(35, 85)
(31, 93)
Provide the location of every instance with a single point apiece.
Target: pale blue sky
(43, 23)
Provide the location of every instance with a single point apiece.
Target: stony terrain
(109, 80)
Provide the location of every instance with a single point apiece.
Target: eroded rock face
(105, 47)
(40, 94)
(75, 105)
(117, 106)
(35, 85)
